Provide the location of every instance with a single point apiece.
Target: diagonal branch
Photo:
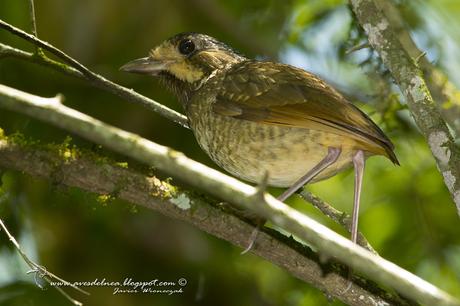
(337, 216)
(93, 78)
(228, 189)
(84, 171)
(408, 77)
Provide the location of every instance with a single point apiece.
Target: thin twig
(33, 27)
(8, 51)
(336, 215)
(229, 189)
(419, 57)
(36, 268)
(33, 23)
(47, 46)
(357, 47)
(96, 79)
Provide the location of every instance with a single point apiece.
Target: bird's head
(184, 60)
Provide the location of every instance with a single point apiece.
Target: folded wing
(279, 94)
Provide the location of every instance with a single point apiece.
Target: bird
(265, 120)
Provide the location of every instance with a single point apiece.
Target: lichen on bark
(409, 78)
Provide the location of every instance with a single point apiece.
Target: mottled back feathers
(274, 93)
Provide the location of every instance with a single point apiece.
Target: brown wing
(280, 94)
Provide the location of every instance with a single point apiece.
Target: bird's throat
(183, 90)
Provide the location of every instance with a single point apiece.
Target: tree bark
(409, 78)
(77, 169)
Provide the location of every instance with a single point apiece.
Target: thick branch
(229, 189)
(84, 171)
(409, 78)
(445, 94)
(93, 78)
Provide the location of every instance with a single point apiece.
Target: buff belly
(248, 149)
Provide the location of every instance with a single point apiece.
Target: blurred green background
(407, 213)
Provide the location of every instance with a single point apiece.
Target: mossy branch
(408, 76)
(84, 170)
(324, 240)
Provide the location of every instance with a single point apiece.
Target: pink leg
(358, 163)
(331, 157)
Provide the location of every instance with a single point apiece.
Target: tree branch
(445, 94)
(327, 242)
(33, 23)
(82, 170)
(337, 216)
(93, 78)
(408, 76)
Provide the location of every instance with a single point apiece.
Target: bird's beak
(145, 65)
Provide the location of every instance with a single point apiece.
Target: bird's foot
(253, 237)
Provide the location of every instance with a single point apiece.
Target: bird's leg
(358, 164)
(259, 221)
(331, 157)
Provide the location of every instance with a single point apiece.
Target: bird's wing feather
(273, 93)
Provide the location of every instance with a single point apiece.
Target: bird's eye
(186, 47)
